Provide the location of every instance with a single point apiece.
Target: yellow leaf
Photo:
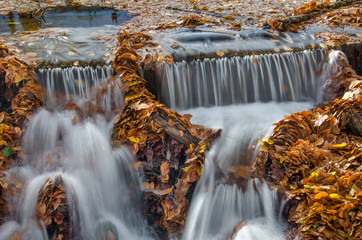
(134, 139)
(301, 125)
(198, 170)
(185, 169)
(334, 195)
(341, 145)
(268, 141)
(314, 175)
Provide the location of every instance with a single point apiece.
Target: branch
(307, 16)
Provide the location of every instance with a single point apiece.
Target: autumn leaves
(314, 158)
(170, 150)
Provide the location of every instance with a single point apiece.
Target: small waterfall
(79, 81)
(83, 85)
(218, 206)
(289, 76)
(102, 192)
(272, 86)
(214, 214)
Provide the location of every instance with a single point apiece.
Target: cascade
(69, 149)
(215, 82)
(71, 152)
(74, 80)
(269, 89)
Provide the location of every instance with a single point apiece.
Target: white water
(80, 81)
(103, 192)
(217, 207)
(216, 82)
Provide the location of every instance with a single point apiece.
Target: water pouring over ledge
(98, 194)
(234, 191)
(244, 99)
(216, 82)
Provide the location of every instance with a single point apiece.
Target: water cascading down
(215, 82)
(74, 181)
(243, 96)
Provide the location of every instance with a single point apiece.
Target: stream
(69, 147)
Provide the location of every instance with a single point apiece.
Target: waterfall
(247, 209)
(74, 80)
(218, 205)
(289, 76)
(102, 192)
(70, 149)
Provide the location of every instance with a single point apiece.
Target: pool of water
(64, 35)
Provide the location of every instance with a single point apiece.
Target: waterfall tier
(215, 82)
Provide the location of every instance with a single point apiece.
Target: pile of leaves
(170, 150)
(53, 209)
(20, 97)
(315, 157)
(313, 6)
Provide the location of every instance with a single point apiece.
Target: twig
(307, 16)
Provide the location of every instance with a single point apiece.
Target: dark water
(63, 19)
(64, 35)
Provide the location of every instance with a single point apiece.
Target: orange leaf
(220, 53)
(320, 195)
(165, 168)
(359, 195)
(42, 209)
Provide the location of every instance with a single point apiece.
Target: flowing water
(214, 82)
(243, 96)
(64, 147)
(71, 146)
(218, 206)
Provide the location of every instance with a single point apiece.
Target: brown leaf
(42, 209)
(2, 116)
(171, 122)
(58, 218)
(147, 185)
(187, 116)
